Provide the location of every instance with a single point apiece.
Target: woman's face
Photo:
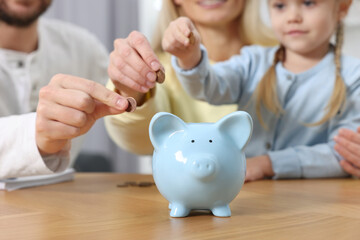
(211, 12)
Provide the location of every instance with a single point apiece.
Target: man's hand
(68, 107)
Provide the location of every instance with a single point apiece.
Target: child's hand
(348, 146)
(182, 40)
(258, 168)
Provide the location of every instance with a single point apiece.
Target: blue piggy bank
(199, 165)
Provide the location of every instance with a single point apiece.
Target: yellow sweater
(130, 131)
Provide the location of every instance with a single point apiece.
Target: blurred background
(111, 19)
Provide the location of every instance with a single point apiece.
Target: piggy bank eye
(210, 141)
(192, 141)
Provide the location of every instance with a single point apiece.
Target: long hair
(266, 94)
(249, 20)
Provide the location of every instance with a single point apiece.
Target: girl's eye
(279, 5)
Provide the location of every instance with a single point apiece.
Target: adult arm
(19, 155)
(33, 144)
(132, 71)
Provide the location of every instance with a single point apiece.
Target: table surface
(93, 206)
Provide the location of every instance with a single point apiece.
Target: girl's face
(303, 26)
(211, 12)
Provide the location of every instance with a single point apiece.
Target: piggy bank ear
(162, 125)
(237, 126)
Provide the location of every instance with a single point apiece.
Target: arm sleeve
(19, 155)
(216, 84)
(321, 160)
(318, 161)
(130, 131)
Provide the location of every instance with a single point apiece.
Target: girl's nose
(295, 15)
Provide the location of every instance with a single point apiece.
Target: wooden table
(93, 207)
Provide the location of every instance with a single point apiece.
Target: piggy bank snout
(203, 167)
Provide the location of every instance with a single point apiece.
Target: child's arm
(221, 83)
(320, 160)
(317, 161)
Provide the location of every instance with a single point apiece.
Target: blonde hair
(249, 21)
(266, 94)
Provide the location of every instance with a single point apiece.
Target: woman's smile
(211, 3)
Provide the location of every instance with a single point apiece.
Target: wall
(352, 31)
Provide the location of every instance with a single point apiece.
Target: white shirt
(63, 48)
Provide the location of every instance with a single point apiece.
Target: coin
(131, 104)
(160, 76)
(131, 183)
(145, 184)
(191, 38)
(121, 185)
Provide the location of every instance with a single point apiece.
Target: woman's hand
(133, 66)
(182, 40)
(348, 146)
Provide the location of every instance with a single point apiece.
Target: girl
(299, 94)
